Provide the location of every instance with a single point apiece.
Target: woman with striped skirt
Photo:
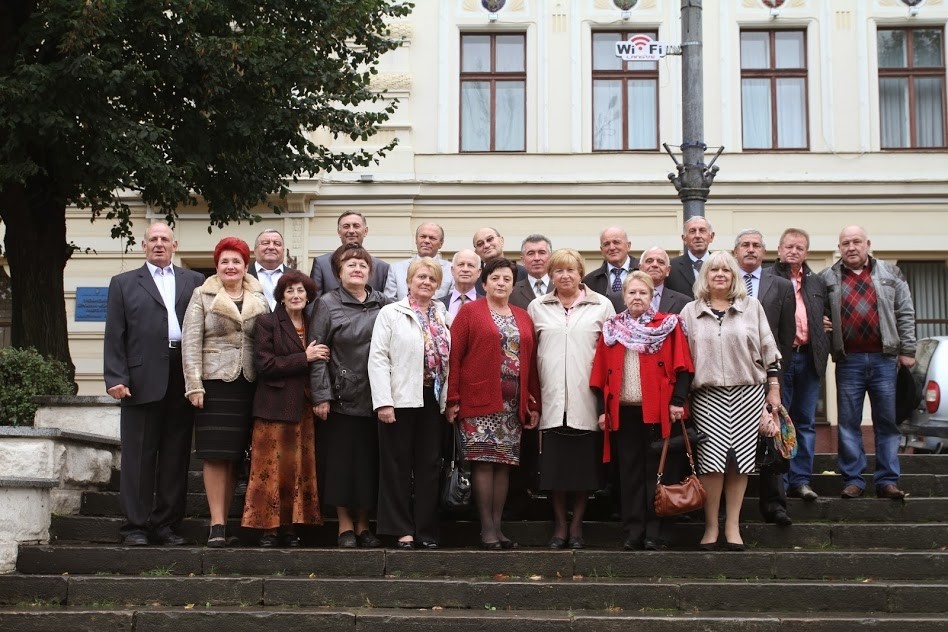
(736, 363)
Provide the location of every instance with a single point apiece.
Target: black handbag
(768, 455)
(455, 478)
(676, 443)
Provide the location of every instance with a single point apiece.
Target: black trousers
(409, 471)
(772, 491)
(156, 450)
(637, 467)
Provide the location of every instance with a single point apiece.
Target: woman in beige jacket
(217, 350)
(736, 363)
(568, 322)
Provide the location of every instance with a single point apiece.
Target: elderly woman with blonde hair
(736, 365)
(408, 371)
(568, 322)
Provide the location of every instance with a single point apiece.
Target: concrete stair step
(597, 534)
(824, 484)
(572, 593)
(203, 619)
(61, 562)
(908, 463)
(868, 509)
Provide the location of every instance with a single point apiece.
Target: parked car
(928, 422)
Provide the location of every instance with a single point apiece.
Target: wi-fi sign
(641, 47)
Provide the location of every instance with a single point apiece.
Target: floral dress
(496, 437)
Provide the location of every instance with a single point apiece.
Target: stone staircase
(844, 564)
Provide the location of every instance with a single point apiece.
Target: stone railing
(73, 447)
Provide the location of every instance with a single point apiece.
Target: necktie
(697, 266)
(463, 298)
(656, 300)
(616, 281)
(538, 287)
(749, 283)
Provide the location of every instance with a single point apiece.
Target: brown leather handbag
(683, 497)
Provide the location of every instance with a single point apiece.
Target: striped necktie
(749, 283)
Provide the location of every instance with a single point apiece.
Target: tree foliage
(175, 102)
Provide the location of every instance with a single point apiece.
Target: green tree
(172, 102)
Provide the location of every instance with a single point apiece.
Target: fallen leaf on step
(578, 578)
(437, 607)
(189, 606)
(536, 578)
(501, 577)
(312, 575)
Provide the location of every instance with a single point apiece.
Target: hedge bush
(24, 374)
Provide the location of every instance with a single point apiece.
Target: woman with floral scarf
(408, 373)
(643, 370)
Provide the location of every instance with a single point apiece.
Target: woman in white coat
(408, 372)
(568, 322)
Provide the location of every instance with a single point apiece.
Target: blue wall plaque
(91, 304)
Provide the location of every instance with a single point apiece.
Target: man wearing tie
(465, 268)
(607, 279)
(534, 253)
(142, 369)
(268, 265)
(696, 236)
(654, 262)
(777, 298)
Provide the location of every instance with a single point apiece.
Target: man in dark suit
(142, 369)
(534, 253)
(776, 296)
(489, 245)
(607, 279)
(655, 263)
(696, 236)
(465, 268)
(352, 228)
(269, 256)
(805, 368)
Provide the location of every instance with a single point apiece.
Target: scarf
(635, 334)
(436, 341)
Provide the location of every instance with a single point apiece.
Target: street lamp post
(694, 178)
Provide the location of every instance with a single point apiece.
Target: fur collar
(254, 303)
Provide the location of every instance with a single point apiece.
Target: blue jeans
(875, 374)
(800, 392)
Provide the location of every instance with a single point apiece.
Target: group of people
(345, 382)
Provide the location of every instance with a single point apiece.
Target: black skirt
(222, 428)
(347, 459)
(570, 460)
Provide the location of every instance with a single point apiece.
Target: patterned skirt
(494, 438)
(730, 416)
(282, 486)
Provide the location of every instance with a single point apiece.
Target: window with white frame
(625, 96)
(493, 92)
(911, 88)
(774, 90)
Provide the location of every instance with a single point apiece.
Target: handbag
(455, 478)
(676, 444)
(683, 497)
(769, 454)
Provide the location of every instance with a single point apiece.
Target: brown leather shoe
(852, 491)
(890, 491)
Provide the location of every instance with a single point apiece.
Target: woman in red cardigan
(493, 389)
(643, 369)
